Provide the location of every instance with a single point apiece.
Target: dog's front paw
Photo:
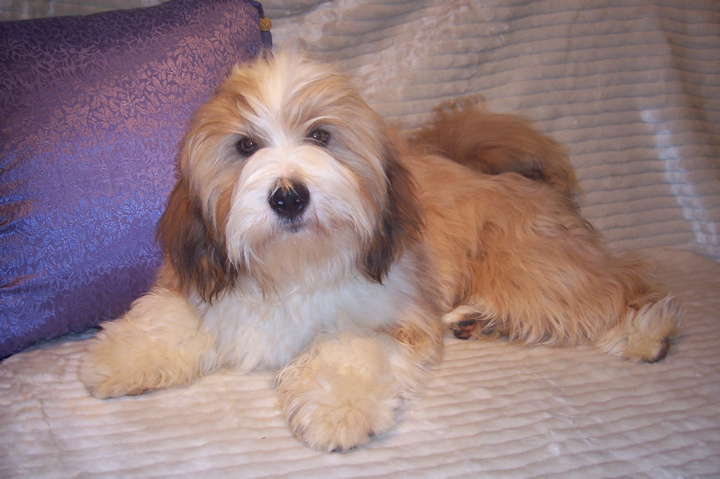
(340, 395)
(124, 361)
(336, 414)
(107, 371)
(103, 383)
(157, 344)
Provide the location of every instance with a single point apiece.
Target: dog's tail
(493, 143)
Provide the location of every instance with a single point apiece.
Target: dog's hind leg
(645, 332)
(648, 319)
(157, 344)
(623, 312)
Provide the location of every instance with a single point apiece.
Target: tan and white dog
(304, 237)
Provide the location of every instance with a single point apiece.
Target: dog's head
(286, 175)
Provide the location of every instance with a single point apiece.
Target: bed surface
(634, 93)
(490, 409)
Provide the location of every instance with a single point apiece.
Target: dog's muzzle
(289, 200)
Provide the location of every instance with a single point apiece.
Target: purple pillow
(92, 109)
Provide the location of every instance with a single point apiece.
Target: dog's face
(288, 176)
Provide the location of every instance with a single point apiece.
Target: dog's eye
(319, 136)
(247, 146)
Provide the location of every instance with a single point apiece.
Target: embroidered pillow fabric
(92, 111)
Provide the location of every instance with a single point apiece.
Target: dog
(305, 236)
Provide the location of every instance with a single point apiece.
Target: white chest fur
(253, 330)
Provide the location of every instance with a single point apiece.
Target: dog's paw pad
(476, 326)
(464, 329)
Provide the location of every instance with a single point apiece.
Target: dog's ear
(194, 248)
(400, 220)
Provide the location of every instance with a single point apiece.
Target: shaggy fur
(303, 237)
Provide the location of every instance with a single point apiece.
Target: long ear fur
(194, 248)
(400, 222)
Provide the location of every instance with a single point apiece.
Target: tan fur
(495, 143)
(347, 298)
(516, 253)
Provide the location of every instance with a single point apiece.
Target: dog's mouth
(292, 225)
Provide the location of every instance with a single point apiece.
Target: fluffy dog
(304, 237)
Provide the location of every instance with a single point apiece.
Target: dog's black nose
(289, 200)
